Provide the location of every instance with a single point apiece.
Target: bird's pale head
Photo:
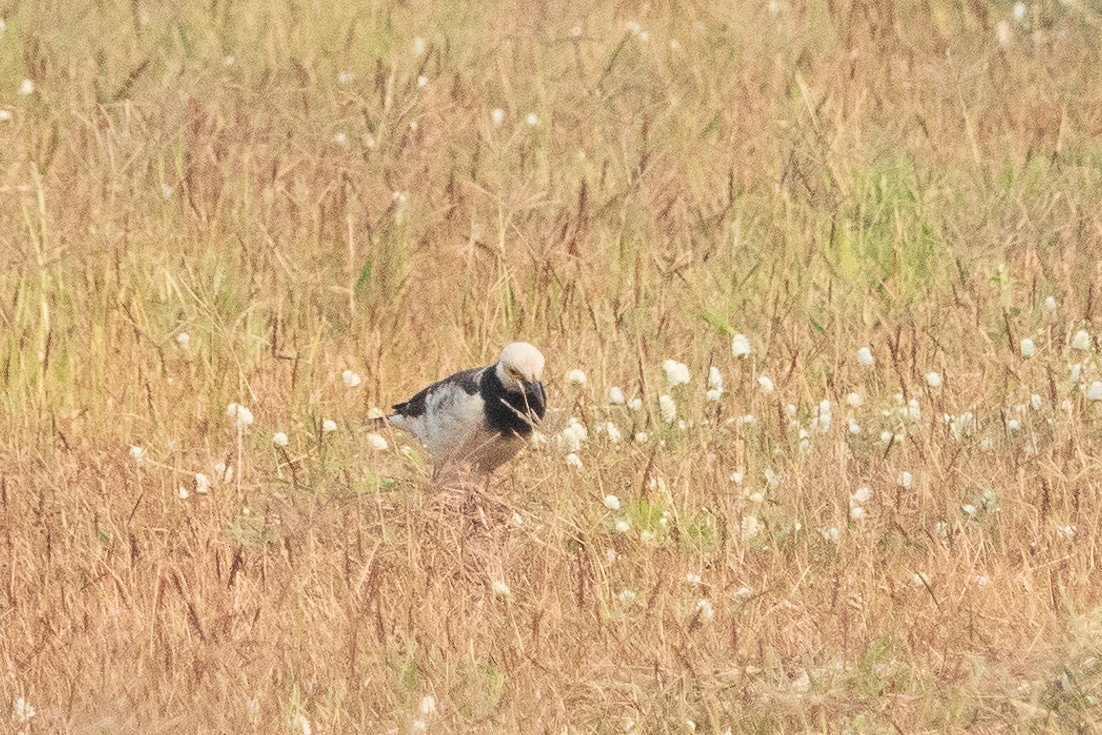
(521, 364)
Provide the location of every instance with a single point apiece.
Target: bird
(476, 420)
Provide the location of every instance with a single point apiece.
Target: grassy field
(206, 203)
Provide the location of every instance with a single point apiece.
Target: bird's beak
(533, 391)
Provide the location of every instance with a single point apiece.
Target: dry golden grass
(819, 177)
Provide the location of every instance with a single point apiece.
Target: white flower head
(831, 534)
(1051, 303)
(856, 513)
(1029, 349)
(1094, 392)
(184, 340)
(743, 592)
(864, 357)
(635, 404)
(418, 726)
(740, 346)
(242, 417)
(627, 597)
(418, 46)
(351, 379)
(532, 119)
(500, 588)
(968, 509)
(933, 379)
(577, 377)
(572, 436)
(668, 408)
(280, 439)
(1066, 532)
(854, 427)
(715, 379)
(1019, 11)
(202, 483)
(422, 81)
(497, 116)
(137, 453)
(377, 442)
(6, 116)
(23, 711)
(616, 396)
(1004, 34)
(1082, 340)
(751, 526)
(183, 493)
(854, 400)
(705, 609)
(612, 502)
(737, 476)
(345, 77)
(612, 431)
(328, 425)
(677, 373)
(766, 384)
(860, 495)
(622, 526)
(573, 460)
(905, 480)
(641, 437)
(428, 705)
(26, 87)
(693, 578)
(712, 395)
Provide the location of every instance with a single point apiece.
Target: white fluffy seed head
(740, 346)
(241, 416)
(677, 373)
(715, 379)
(668, 408)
